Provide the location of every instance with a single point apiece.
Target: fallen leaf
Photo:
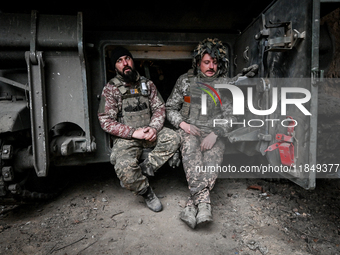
(256, 187)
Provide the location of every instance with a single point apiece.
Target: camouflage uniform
(200, 183)
(127, 150)
(188, 103)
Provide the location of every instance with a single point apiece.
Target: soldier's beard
(129, 76)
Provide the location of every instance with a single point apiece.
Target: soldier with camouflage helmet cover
(133, 112)
(202, 144)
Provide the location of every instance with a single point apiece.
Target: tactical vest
(191, 108)
(135, 110)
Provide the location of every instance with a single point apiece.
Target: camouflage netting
(215, 49)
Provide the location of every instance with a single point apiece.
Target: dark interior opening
(163, 73)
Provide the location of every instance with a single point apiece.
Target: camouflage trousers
(126, 153)
(196, 164)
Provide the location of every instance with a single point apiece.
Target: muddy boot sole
(204, 219)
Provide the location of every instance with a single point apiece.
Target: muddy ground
(94, 215)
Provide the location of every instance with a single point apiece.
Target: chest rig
(192, 106)
(135, 111)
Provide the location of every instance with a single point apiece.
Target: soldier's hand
(138, 134)
(190, 129)
(208, 142)
(150, 134)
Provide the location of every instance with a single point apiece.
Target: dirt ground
(94, 215)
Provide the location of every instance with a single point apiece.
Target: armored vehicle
(54, 62)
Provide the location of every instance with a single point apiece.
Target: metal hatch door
(284, 41)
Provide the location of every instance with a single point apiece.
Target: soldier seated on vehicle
(132, 110)
(202, 145)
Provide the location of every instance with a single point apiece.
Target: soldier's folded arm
(107, 115)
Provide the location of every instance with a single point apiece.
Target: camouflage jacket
(111, 106)
(175, 103)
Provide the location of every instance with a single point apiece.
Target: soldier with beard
(202, 144)
(133, 112)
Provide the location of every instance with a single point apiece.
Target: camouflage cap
(215, 49)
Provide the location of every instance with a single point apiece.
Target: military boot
(204, 213)
(146, 168)
(151, 200)
(188, 215)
